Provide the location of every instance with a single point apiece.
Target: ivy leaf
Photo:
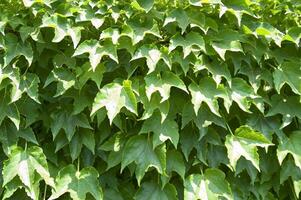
(29, 3)
(9, 136)
(137, 31)
(139, 149)
(211, 185)
(65, 80)
(113, 97)
(89, 15)
(167, 130)
(112, 33)
(68, 122)
(218, 70)
(27, 164)
(180, 16)
(9, 110)
(62, 28)
(152, 191)
(175, 162)
(97, 51)
(146, 4)
(86, 73)
(207, 91)
(202, 21)
(244, 143)
(288, 107)
(84, 136)
(29, 83)
(202, 119)
(243, 94)
(152, 55)
(290, 145)
(288, 73)
(77, 183)
(191, 40)
(162, 84)
(227, 41)
(14, 48)
(150, 106)
(267, 30)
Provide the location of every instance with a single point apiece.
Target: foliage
(148, 99)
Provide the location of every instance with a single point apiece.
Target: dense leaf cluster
(150, 99)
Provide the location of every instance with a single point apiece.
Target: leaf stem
(25, 148)
(45, 191)
(78, 164)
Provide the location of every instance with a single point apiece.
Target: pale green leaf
(146, 4)
(14, 48)
(113, 97)
(97, 51)
(180, 17)
(188, 43)
(162, 84)
(207, 91)
(244, 143)
(210, 185)
(62, 28)
(77, 183)
(26, 164)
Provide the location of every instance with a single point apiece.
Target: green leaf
(86, 73)
(146, 4)
(9, 135)
(180, 16)
(175, 163)
(288, 73)
(162, 84)
(14, 48)
(290, 145)
(29, 83)
(228, 40)
(29, 3)
(97, 51)
(152, 191)
(77, 183)
(9, 110)
(207, 91)
(166, 130)
(139, 149)
(27, 164)
(189, 43)
(152, 55)
(243, 94)
(150, 106)
(210, 185)
(137, 30)
(288, 107)
(62, 28)
(112, 33)
(89, 15)
(244, 143)
(65, 80)
(202, 21)
(113, 97)
(216, 69)
(68, 122)
(266, 30)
